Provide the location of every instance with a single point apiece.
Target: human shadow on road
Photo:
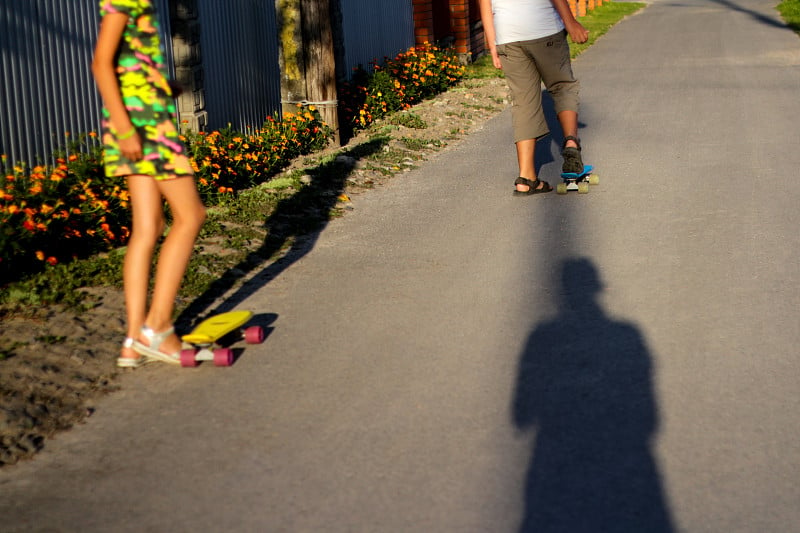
(292, 229)
(585, 386)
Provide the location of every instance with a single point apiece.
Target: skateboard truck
(202, 344)
(577, 181)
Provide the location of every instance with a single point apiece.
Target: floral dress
(142, 76)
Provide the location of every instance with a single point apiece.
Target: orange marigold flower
(40, 255)
(52, 261)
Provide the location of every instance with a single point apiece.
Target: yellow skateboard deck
(212, 329)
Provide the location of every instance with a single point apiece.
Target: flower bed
(51, 214)
(416, 74)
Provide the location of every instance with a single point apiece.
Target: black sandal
(533, 187)
(573, 163)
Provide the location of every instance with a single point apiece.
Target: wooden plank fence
(579, 8)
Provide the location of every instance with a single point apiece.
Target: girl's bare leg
(188, 215)
(148, 224)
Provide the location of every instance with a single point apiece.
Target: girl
(142, 144)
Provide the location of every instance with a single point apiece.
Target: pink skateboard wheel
(223, 357)
(254, 335)
(187, 359)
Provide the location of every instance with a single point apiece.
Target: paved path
(430, 370)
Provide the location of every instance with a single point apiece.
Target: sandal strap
(155, 339)
(129, 362)
(571, 138)
(525, 181)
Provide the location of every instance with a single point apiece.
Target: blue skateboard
(577, 182)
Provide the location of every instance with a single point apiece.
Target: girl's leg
(148, 224)
(188, 215)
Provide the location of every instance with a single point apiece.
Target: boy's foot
(573, 163)
(525, 187)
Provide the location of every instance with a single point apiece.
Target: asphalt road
(449, 357)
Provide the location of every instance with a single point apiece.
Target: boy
(527, 39)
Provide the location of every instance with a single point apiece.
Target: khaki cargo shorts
(526, 65)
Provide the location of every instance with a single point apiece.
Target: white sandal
(130, 362)
(155, 339)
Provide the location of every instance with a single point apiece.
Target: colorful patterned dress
(143, 81)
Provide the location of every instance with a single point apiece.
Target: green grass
(409, 120)
(599, 21)
(482, 68)
(790, 11)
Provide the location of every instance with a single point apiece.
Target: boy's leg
(556, 68)
(148, 223)
(524, 82)
(525, 158)
(188, 214)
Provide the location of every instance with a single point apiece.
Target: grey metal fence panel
(47, 89)
(372, 29)
(239, 45)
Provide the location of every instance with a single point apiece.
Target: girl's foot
(150, 344)
(128, 358)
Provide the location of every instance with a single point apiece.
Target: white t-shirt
(523, 20)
